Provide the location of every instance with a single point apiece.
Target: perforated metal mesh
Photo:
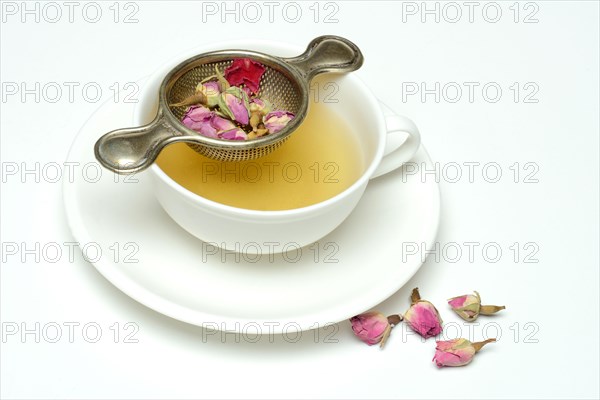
(280, 90)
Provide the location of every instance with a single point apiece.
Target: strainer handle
(328, 54)
(130, 150)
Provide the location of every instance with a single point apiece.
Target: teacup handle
(403, 153)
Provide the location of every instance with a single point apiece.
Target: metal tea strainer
(285, 84)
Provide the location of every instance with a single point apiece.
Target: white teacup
(239, 229)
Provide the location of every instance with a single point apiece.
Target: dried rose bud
(469, 307)
(373, 327)
(247, 72)
(211, 92)
(234, 103)
(261, 106)
(233, 134)
(423, 317)
(277, 120)
(198, 118)
(457, 352)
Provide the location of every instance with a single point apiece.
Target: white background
(554, 356)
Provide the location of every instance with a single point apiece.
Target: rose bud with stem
(469, 307)
(373, 327)
(422, 316)
(457, 352)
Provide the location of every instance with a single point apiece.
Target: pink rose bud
(211, 91)
(234, 103)
(469, 307)
(373, 327)
(423, 317)
(198, 118)
(277, 120)
(457, 352)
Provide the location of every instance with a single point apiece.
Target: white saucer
(177, 275)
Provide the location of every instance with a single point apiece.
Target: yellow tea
(318, 161)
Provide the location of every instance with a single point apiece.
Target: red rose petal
(245, 71)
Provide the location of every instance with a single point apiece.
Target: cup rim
(375, 109)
